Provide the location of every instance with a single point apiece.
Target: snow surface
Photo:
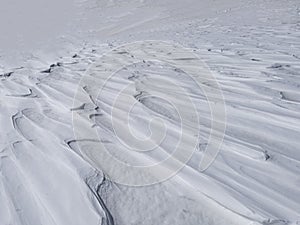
(46, 48)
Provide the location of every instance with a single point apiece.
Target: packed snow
(56, 123)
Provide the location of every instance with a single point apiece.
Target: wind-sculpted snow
(58, 117)
(123, 97)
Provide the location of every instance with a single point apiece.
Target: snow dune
(46, 173)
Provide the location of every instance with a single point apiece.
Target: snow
(60, 116)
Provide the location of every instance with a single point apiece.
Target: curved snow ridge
(241, 186)
(42, 180)
(45, 178)
(256, 148)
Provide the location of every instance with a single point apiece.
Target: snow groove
(94, 185)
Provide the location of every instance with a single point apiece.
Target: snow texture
(46, 48)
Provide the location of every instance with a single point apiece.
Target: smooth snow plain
(48, 49)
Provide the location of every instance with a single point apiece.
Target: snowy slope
(48, 167)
